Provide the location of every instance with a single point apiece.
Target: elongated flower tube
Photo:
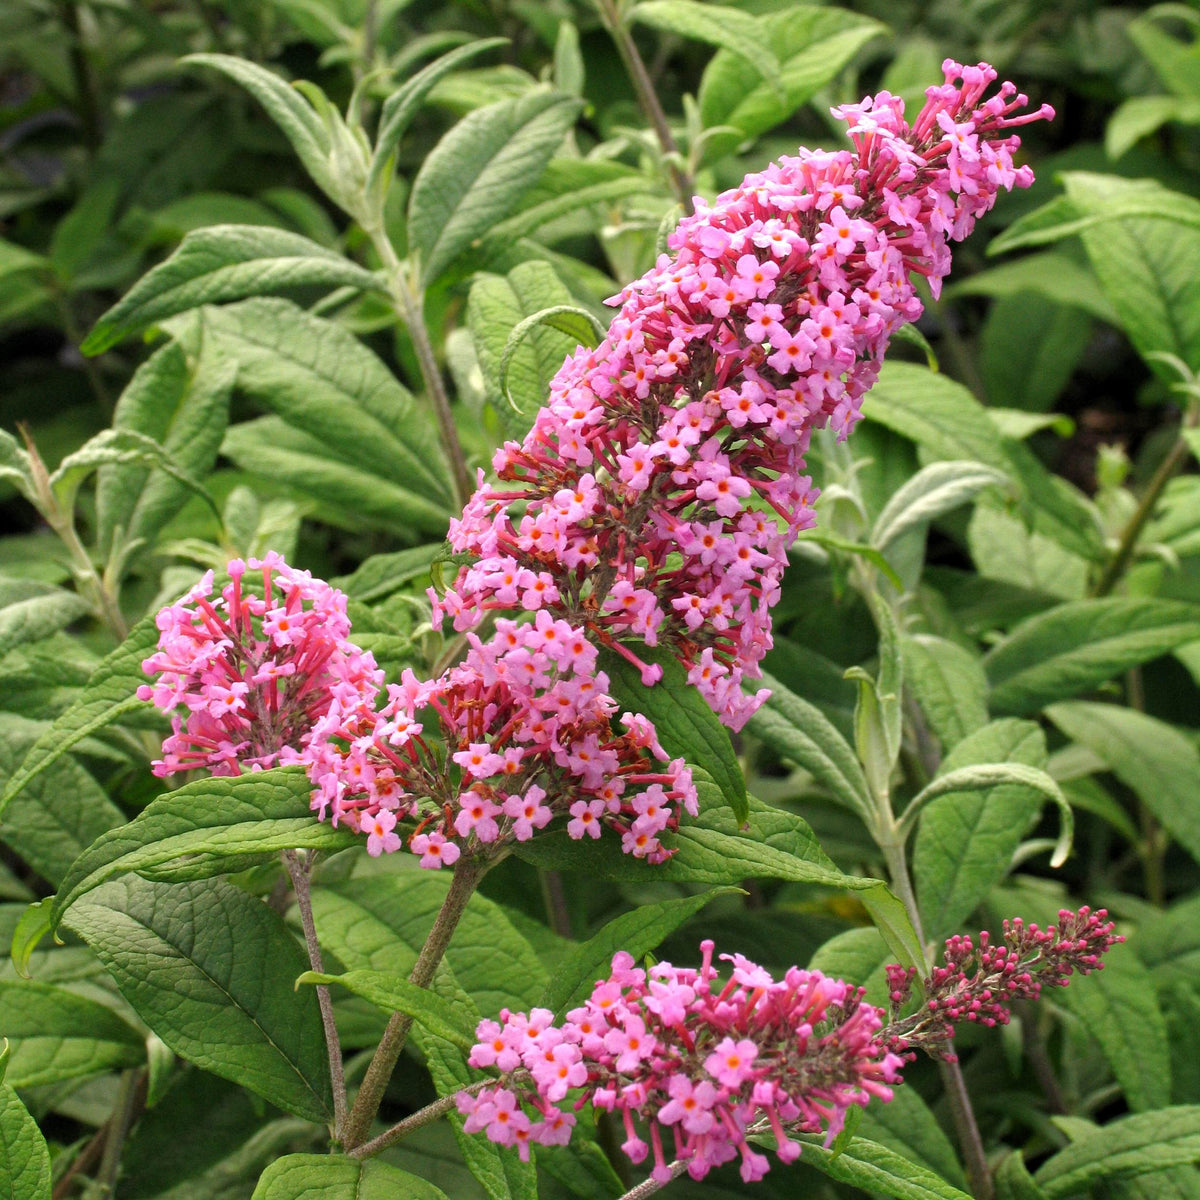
(688, 1061)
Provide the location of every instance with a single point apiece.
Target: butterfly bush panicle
(688, 1061)
(979, 982)
(255, 673)
(646, 516)
(701, 1066)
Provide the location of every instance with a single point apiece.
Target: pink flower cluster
(689, 1058)
(528, 732)
(656, 495)
(980, 983)
(256, 673)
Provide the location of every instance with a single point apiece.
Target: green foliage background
(237, 315)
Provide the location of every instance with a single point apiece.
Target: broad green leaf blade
(37, 617)
(15, 466)
(812, 44)
(183, 405)
(404, 103)
(205, 828)
(321, 380)
(949, 685)
(123, 447)
(211, 970)
(932, 492)
(638, 932)
(33, 925)
(322, 1177)
(1070, 649)
(1140, 116)
(906, 1125)
(1119, 1009)
(569, 319)
(496, 307)
(24, 1158)
(965, 840)
(709, 849)
(1122, 1149)
(686, 726)
(57, 1035)
(393, 993)
(59, 813)
(874, 1168)
(1155, 759)
(1013, 1180)
(719, 25)
(221, 263)
(800, 731)
(331, 489)
(943, 418)
(109, 695)
(476, 174)
(300, 124)
(1051, 274)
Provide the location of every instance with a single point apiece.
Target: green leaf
(1118, 1007)
(1140, 116)
(949, 685)
(210, 969)
(1070, 649)
(874, 1168)
(1122, 1149)
(24, 1159)
(476, 174)
(1013, 1180)
(301, 125)
(1173, 60)
(944, 418)
(931, 493)
(33, 925)
(686, 726)
(59, 813)
(57, 1035)
(220, 263)
(1156, 760)
(123, 447)
(205, 828)
(322, 381)
(965, 840)
(109, 695)
(906, 1125)
(799, 731)
(577, 323)
(731, 29)
(15, 466)
(830, 541)
(1050, 274)
(812, 44)
(404, 103)
(711, 848)
(37, 617)
(393, 993)
(517, 374)
(638, 933)
(321, 1177)
(183, 406)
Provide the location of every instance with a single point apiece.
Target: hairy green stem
(681, 181)
(425, 1116)
(957, 1096)
(467, 873)
(408, 305)
(299, 872)
(1127, 544)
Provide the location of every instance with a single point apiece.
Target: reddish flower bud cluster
(682, 1056)
(980, 983)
